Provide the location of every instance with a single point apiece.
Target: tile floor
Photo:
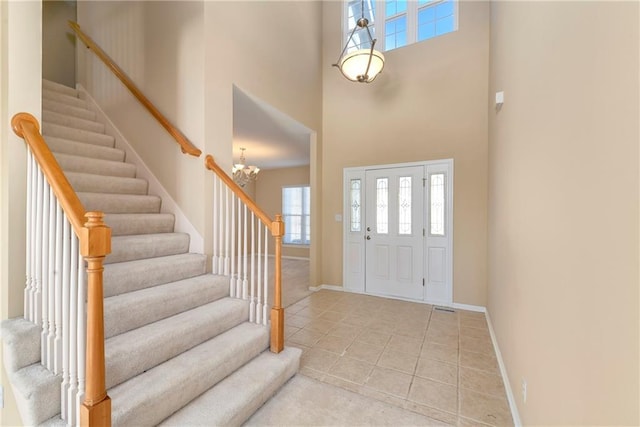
(437, 363)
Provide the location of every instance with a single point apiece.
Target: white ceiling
(272, 139)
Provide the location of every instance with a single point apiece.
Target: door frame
(353, 264)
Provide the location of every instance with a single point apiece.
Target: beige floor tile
(410, 346)
(390, 381)
(363, 351)
(334, 344)
(294, 308)
(436, 370)
(467, 313)
(440, 352)
(482, 382)
(318, 359)
(332, 316)
(289, 330)
(342, 383)
(487, 409)
(445, 328)
(483, 362)
(398, 361)
(441, 338)
(441, 417)
(297, 321)
(357, 320)
(346, 331)
(310, 312)
(374, 338)
(320, 325)
(353, 370)
(444, 316)
(474, 322)
(478, 345)
(434, 394)
(382, 326)
(410, 332)
(474, 332)
(305, 337)
(466, 422)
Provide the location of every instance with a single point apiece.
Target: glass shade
(354, 65)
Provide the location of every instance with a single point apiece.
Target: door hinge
(424, 232)
(423, 281)
(424, 182)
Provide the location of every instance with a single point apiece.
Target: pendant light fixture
(362, 65)
(242, 173)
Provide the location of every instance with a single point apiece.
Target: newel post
(95, 244)
(277, 312)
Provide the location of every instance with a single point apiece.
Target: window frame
(305, 218)
(380, 22)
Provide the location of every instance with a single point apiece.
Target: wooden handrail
(95, 244)
(185, 145)
(277, 231)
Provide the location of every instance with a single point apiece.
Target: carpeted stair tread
(73, 122)
(131, 353)
(142, 246)
(81, 149)
(59, 87)
(53, 95)
(152, 396)
(120, 203)
(66, 132)
(232, 401)
(128, 224)
(38, 389)
(129, 311)
(135, 275)
(91, 183)
(71, 163)
(21, 343)
(59, 107)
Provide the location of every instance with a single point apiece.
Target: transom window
(398, 23)
(296, 213)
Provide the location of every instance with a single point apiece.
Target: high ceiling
(272, 139)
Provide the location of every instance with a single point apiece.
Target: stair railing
(241, 251)
(185, 145)
(61, 237)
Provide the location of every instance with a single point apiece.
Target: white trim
(329, 287)
(182, 223)
(505, 378)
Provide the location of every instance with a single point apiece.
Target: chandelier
(362, 65)
(242, 173)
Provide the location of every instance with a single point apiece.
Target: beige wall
(270, 50)
(160, 46)
(429, 103)
(563, 192)
(268, 195)
(58, 42)
(20, 83)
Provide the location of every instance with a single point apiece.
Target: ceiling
(272, 139)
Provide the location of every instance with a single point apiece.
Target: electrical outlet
(524, 391)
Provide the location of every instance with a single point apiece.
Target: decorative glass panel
(394, 7)
(437, 204)
(355, 205)
(436, 19)
(404, 205)
(396, 33)
(382, 205)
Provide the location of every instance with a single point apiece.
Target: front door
(394, 232)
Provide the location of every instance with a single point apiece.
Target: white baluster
(227, 232)
(43, 259)
(51, 282)
(214, 253)
(57, 342)
(66, 292)
(252, 304)
(246, 248)
(35, 222)
(265, 305)
(240, 243)
(28, 290)
(82, 336)
(220, 205)
(38, 248)
(72, 390)
(259, 276)
(233, 278)
(245, 289)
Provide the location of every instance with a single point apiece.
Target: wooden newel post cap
(277, 227)
(96, 236)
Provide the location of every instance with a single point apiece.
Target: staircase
(179, 350)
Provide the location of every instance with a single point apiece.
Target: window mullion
(412, 22)
(380, 25)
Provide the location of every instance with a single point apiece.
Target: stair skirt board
(178, 350)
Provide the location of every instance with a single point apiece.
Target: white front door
(394, 232)
(398, 231)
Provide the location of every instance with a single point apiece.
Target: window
(398, 23)
(296, 203)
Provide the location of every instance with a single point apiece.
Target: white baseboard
(469, 307)
(182, 223)
(329, 287)
(505, 378)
